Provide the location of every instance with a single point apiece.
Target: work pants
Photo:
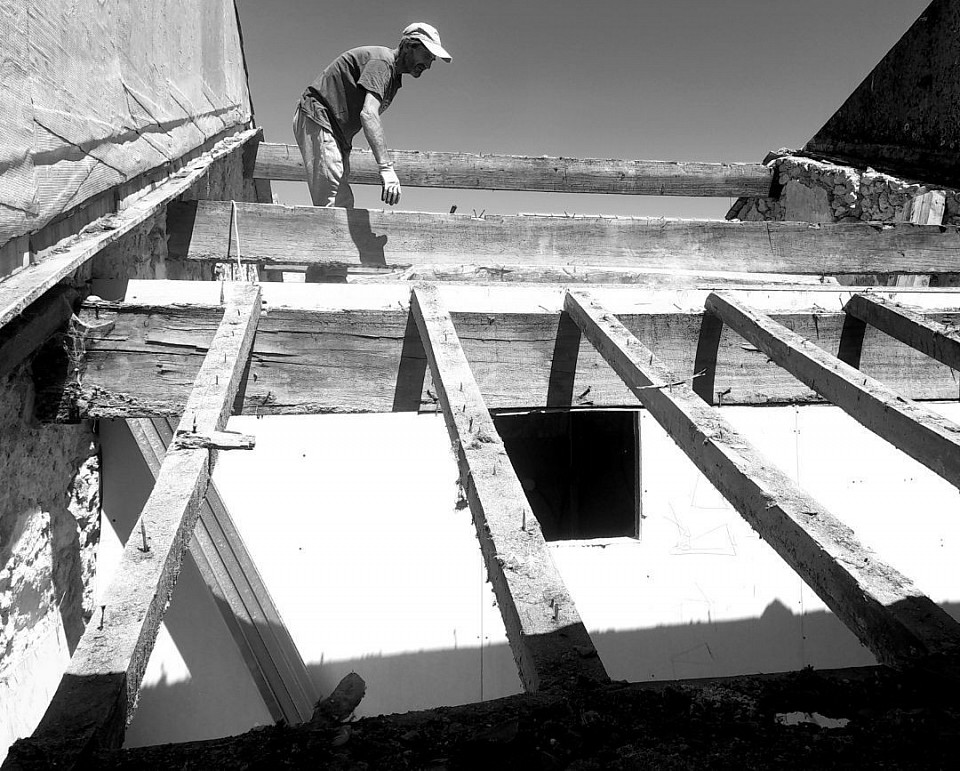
(328, 169)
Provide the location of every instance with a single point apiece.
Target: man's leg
(326, 168)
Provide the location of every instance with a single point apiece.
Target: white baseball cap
(430, 38)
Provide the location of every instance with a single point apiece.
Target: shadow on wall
(777, 641)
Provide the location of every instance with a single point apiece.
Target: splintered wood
(549, 641)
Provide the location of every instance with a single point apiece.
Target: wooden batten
(549, 641)
(98, 693)
(889, 615)
(920, 432)
(543, 174)
(246, 606)
(388, 241)
(940, 341)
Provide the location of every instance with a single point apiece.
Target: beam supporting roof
(544, 174)
(940, 341)
(22, 288)
(245, 604)
(549, 641)
(353, 359)
(387, 241)
(24, 335)
(98, 693)
(918, 431)
(890, 616)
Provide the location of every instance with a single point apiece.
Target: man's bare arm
(373, 131)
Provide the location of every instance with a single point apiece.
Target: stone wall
(818, 191)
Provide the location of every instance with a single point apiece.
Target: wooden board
(545, 174)
(889, 615)
(98, 693)
(923, 434)
(244, 602)
(369, 361)
(551, 646)
(387, 240)
(22, 288)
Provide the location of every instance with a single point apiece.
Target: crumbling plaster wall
(818, 191)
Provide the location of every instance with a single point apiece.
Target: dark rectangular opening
(578, 468)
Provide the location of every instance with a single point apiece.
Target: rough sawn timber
(549, 641)
(923, 434)
(545, 174)
(271, 234)
(891, 617)
(22, 288)
(98, 693)
(351, 360)
(248, 610)
(941, 341)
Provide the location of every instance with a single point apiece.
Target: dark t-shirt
(335, 98)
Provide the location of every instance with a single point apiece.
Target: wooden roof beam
(353, 360)
(392, 241)
(98, 693)
(890, 616)
(22, 288)
(940, 341)
(549, 641)
(918, 431)
(245, 604)
(556, 175)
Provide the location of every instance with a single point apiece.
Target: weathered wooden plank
(941, 341)
(22, 288)
(245, 603)
(98, 693)
(545, 174)
(889, 615)
(551, 646)
(24, 335)
(387, 240)
(360, 361)
(920, 432)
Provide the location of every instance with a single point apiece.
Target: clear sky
(694, 80)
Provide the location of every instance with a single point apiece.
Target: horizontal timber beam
(545, 174)
(358, 360)
(549, 641)
(22, 288)
(25, 334)
(941, 341)
(890, 616)
(389, 240)
(98, 693)
(923, 434)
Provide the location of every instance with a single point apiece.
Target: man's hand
(390, 193)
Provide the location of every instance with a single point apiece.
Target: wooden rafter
(549, 641)
(889, 615)
(98, 693)
(23, 336)
(389, 240)
(22, 288)
(512, 172)
(923, 434)
(940, 341)
(245, 603)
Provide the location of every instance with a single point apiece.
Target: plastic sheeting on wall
(96, 92)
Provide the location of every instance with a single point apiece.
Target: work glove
(390, 193)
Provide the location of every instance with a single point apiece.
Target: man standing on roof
(350, 95)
